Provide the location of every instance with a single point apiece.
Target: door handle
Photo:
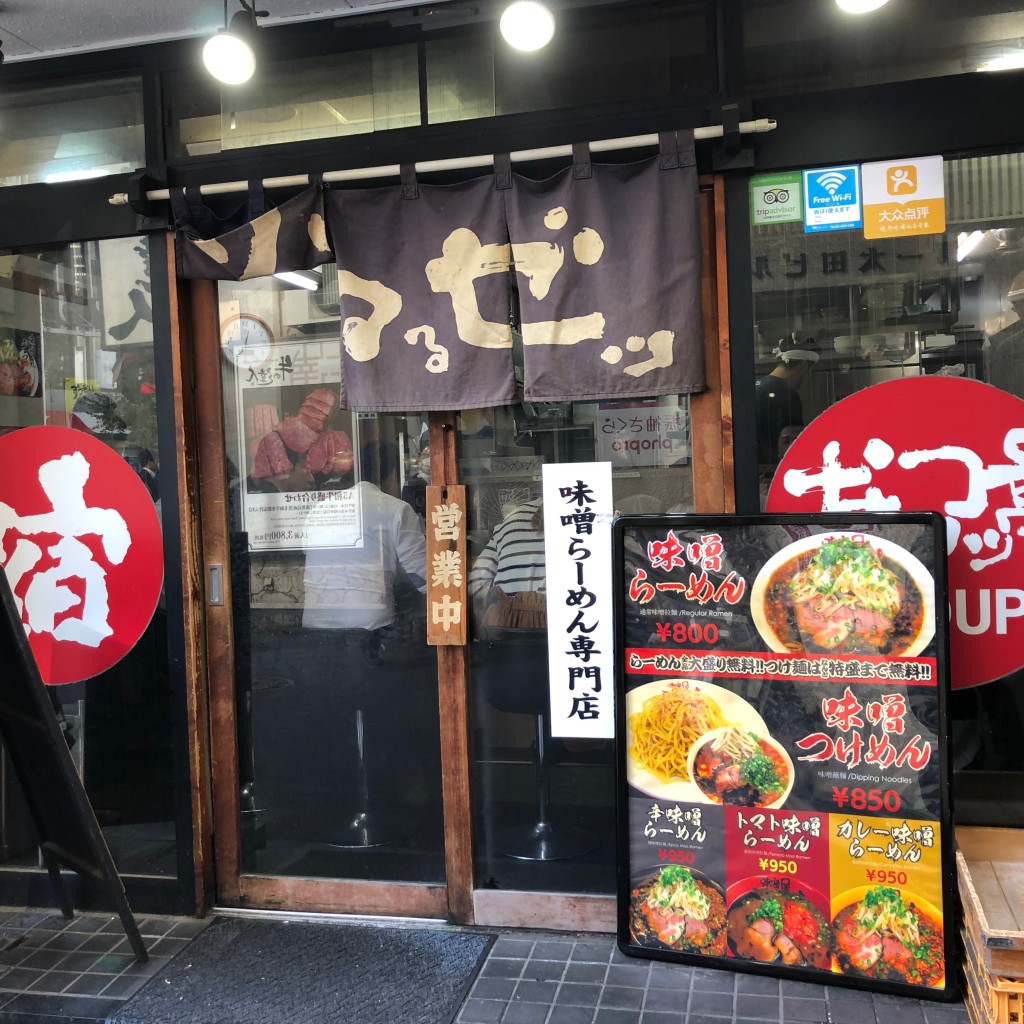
(215, 589)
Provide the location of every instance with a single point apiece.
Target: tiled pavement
(560, 979)
(81, 971)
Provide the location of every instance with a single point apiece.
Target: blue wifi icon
(830, 181)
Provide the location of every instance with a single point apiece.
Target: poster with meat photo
(21, 385)
(297, 450)
(783, 751)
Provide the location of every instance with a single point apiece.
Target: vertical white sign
(578, 552)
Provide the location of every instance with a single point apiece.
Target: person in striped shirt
(511, 563)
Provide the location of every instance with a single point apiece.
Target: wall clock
(245, 340)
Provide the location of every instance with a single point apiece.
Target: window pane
(478, 75)
(76, 349)
(524, 778)
(640, 59)
(61, 133)
(805, 45)
(875, 311)
(295, 101)
(460, 80)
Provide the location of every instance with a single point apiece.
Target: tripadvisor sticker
(776, 199)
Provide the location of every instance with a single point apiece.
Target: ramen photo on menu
(845, 594)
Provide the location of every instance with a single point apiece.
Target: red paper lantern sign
(80, 544)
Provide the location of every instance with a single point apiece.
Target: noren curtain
(601, 260)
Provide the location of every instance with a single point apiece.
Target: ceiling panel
(32, 29)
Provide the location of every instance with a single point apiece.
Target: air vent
(326, 298)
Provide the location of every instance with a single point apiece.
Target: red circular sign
(941, 444)
(80, 544)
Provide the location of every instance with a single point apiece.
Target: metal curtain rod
(715, 131)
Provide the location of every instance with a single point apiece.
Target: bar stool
(366, 822)
(515, 680)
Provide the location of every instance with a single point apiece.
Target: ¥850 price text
(866, 799)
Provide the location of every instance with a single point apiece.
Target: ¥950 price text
(676, 856)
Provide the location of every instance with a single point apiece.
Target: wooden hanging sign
(447, 602)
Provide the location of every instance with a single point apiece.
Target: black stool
(516, 680)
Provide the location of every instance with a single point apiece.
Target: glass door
(333, 687)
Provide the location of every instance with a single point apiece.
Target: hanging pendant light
(860, 6)
(230, 55)
(527, 25)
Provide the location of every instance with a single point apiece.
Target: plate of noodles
(844, 593)
(736, 765)
(664, 719)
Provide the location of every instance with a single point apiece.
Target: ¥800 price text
(866, 799)
(687, 632)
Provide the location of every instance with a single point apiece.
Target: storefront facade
(262, 747)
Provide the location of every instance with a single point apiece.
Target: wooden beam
(454, 713)
(713, 486)
(219, 623)
(547, 910)
(343, 896)
(194, 661)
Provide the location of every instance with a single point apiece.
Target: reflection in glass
(76, 349)
(946, 304)
(71, 131)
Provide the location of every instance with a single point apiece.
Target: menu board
(782, 747)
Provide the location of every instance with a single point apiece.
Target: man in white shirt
(351, 585)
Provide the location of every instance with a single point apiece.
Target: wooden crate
(990, 999)
(990, 875)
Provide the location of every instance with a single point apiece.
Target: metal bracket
(139, 184)
(732, 152)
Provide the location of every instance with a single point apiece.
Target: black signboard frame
(634, 939)
(69, 834)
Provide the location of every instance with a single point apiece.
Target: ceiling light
(860, 6)
(1007, 62)
(309, 279)
(967, 243)
(229, 55)
(527, 25)
(79, 175)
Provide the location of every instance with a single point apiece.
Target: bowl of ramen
(889, 935)
(678, 908)
(844, 593)
(785, 928)
(664, 719)
(741, 767)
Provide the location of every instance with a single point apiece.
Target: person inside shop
(777, 405)
(1006, 364)
(351, 584)
(415, 489)
(148, 473)
(508, 579)
(508, 587)
(364, 579)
